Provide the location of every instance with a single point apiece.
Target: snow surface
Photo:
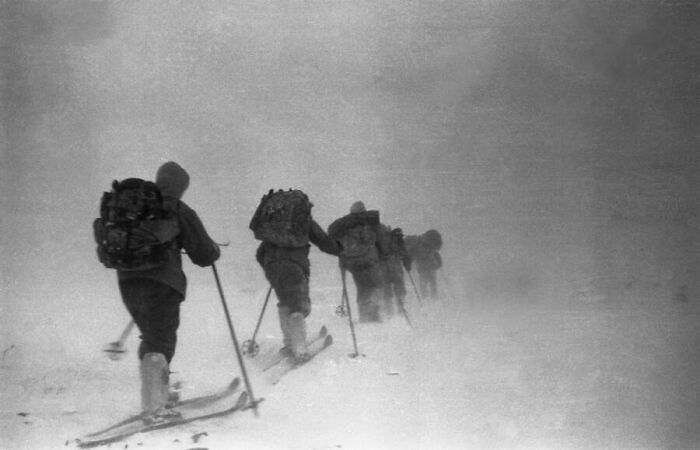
(553, 143)
(510, 372)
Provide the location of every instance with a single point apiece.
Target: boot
(154, 388)
(297, 336)
(283, 312)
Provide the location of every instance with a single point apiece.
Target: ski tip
(323, 331)
(328, 341)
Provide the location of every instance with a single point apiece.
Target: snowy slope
(510, 373)
(553, 144)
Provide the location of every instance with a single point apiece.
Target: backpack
(134, 231)
(412, 243)
(358, 235)
(283, 218)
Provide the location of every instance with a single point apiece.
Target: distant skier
(424, 250)
(363, 247)
(392, 268)
(153, 290)
(284, 224)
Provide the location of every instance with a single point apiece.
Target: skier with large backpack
(283, 222)
(424, 250)
(142, 228)
(361, 236)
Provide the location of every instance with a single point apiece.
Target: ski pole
(250, 347)
(420, 301)
(115, 350)
(254, 403)
(402, 308)
(347, 305)
(340, 309)
(404, 313)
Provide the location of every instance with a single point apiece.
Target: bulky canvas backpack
(283, 218)
(359, 242)
(134, 230)
(358, 235)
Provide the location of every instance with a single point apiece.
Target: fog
(553, 143)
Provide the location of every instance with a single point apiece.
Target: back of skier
(424, 250)
(153, 296)
(287, 268)
(363, 249)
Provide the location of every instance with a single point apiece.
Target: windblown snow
(552, 143)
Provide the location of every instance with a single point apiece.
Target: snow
(504, 373)
(553, 144)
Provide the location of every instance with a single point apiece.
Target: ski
(136, 427)
(187, 404)
(288, 364)
(279, 357)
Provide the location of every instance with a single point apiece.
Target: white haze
(554, 145)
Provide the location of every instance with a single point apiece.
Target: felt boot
(297, 336)
(283, 312)
(154, 389)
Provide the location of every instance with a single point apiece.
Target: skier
(393, 271)
(285, 261)
(425, 251)
(153, 296)
(363, 247)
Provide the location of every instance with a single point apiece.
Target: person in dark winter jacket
(363, 248)
(288, 270)
(424, 250)
(392, 269)
(153, 296)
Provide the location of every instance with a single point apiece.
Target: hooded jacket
(173, 180)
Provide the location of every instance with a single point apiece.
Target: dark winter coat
(344, 226)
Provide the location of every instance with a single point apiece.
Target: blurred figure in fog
(424, 250)
(363, 247)
(392, 268)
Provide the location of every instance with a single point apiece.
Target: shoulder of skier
(195, 240)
